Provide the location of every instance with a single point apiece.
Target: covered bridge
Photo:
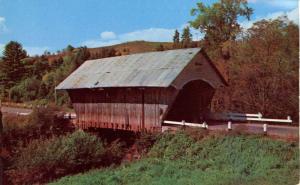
(138, 92)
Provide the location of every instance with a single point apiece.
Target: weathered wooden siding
(122, 108)
(200, 68)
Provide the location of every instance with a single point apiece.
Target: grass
(211, 160)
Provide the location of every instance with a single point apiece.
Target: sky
(51, 25)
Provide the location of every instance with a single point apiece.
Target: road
(275, 130)
(15, 110)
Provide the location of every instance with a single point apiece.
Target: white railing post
(205, 125)
(229, 125)
(265, 127)
(259, 115)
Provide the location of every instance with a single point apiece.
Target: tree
(176, 39)
(69, 48)
(186, 37)
(219, 21)
(12, 68)
(273, 85)
(81, 55)
(264, 71)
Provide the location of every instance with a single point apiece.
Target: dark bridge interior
(191, 102)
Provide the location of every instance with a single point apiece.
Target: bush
(70, 151)
(47, 120)
(11, 123)
(145, 141)
(42, 117)
(42, 122)
(26, 90)
(59, 155)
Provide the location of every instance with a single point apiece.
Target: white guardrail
(183, 123)
(245, 117)
(69, 116)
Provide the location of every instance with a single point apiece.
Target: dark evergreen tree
(12, 68)
(176, 39)
(186, 37)
(69, 48)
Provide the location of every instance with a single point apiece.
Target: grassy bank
(201, 159)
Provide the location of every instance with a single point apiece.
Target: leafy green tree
(26, 90)
(176, 39)
(186, 37)
(219, 21)
(12, 69)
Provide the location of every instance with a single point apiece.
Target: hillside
(134, 47)
(198, 158)
(123, 49)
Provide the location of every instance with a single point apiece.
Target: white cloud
(293, 15)
(108, 35)
(285, 4)
(98, 43)
(150, 34)
(3, 27)
(36, 50)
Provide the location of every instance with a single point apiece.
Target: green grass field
(212, 160)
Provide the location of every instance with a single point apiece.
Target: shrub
(26, 90)
(145, 141)
(114, 152)
(46, 119)
(59, 155)
(11, 123)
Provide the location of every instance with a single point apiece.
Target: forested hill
(118, 49)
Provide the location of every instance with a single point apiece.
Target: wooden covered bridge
(138, 92)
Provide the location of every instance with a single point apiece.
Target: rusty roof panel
(153, 69)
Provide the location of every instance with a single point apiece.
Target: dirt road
(15, 110)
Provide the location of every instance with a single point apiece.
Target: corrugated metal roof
(153, 69)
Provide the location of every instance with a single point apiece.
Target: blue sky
(53, 24)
